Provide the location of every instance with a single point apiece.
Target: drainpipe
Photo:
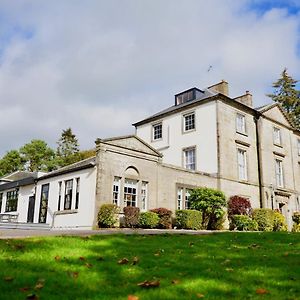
(258, 151)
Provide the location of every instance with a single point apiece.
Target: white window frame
(279, 173)
(144, 195)
(116, 190)
(242, 164)
(240, 123)
(298, 145)
(179, 198)
(189, 124)
(157, 131)
(189, 158)
(277, 140)
(130, 192)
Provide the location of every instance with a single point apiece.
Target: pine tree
(288, 96)
(68, 148)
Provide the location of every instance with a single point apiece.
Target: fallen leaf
(229, 270)
(39, 286)
(286, 254)
(19, 246)
(81, 258)
(123, 261)
(32, 297)
(57, 257)
(74, 274)
(157, 254)
(24, 289)
(88, 265)
(200, 295)
(149, 284)
(135, 260)
(132, 297)
(225, 262)
(175, 281)
(261, 291)
(8, 278)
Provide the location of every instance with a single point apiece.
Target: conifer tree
(288, 96)
(68, 148)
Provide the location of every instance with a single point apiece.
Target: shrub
(131, 216)
(296, 217)
(148, 219)
(211, 203)
(239, 206)
(296, 227)
(243, 223)
(108, 215)
(264, 218)
(279, 223)
(189, 219)
(164, 215)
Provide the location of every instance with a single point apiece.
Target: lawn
(218, 266)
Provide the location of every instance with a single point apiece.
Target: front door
(30, 213)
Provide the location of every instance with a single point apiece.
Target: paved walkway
(25, 233)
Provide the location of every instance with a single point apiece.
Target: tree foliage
(211, 203)
(36, 155)
(68, 148)
(11, 162)
(288, 96)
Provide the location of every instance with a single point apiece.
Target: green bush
(264, 218)
(131, 216)
(279, 223)
(148, 219)
(211, 203)
(243, 223)
(296, 217)
(165, 217)
(189, 219)
(108, 216)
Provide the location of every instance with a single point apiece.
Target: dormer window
(276, 136)
(157, 131)
(188, 95)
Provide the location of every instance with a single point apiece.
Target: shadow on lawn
(221, 266)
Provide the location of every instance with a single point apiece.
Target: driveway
(25, 233)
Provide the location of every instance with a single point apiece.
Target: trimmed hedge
(296, 219)
(189, 219)
(148, 219)
(131, 216)
(108, 216)
(165, 217)
(279, 223)
(264, 218)
(243, 223)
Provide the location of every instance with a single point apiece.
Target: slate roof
(206, 94)
(20, 182)
(80, 165)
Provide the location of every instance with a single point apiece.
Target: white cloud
(99, 66)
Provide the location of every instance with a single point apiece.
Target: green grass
(219, 266)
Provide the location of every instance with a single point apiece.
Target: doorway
(30, 214)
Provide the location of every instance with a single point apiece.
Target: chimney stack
(245, 99)
(221, 87)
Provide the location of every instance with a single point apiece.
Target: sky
(99, 66)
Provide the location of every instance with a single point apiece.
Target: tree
(211, 203)
(11, 162)
(37, 156)
(288, 96)
(68, 148)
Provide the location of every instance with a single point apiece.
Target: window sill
(66, 212)
(156, 140)
(188, 131)
(278, 145)
(242, 133)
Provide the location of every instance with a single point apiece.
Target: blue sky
(100, 66)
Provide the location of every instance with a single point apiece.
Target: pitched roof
(206, 94)
(80, 165)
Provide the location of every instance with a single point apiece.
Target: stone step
(16, 225)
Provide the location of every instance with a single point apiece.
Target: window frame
(187, 164)
(68, 196)
(11, 204)
(1, 201)
(244, 166)
(144, 195)
(128, 195)
(77, 191)
(243, 129)
(116, 190)
(279, 176)
(277, 140)
(187, 125)
(59, 195)
(298, 146)
(160, 136)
